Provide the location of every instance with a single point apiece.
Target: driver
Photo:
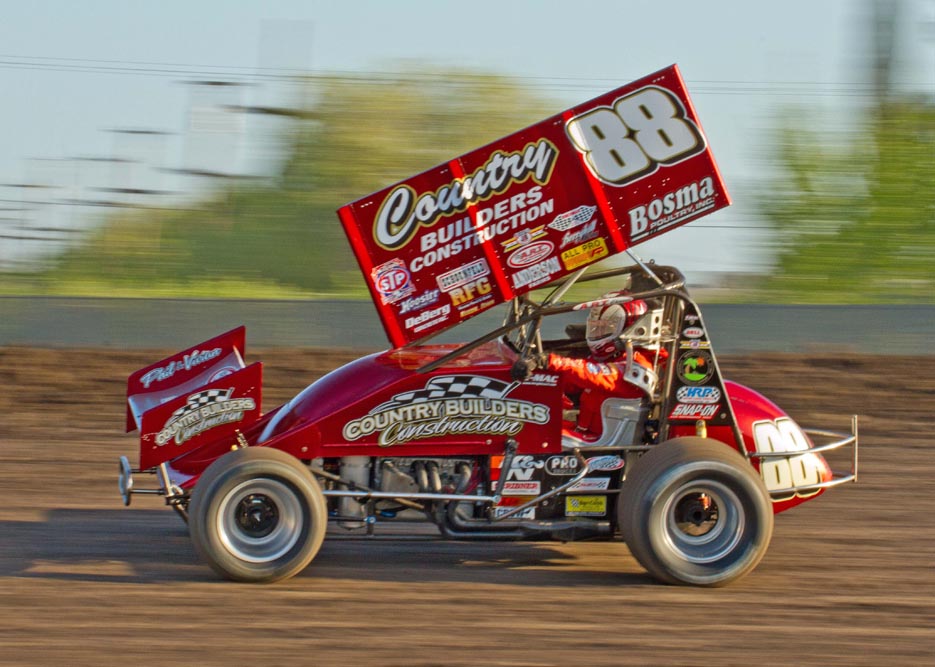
(606, 373)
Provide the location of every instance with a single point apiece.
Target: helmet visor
(606, 324)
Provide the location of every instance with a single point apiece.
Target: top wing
(588, 183)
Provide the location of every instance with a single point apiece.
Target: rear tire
(257, 515)
(694, 511)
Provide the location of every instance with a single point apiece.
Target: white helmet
(606, 324)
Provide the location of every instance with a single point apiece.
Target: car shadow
(153, 546)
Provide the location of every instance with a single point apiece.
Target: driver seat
(622, 421)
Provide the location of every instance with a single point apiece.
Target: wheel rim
(260, 520)
(703, 521)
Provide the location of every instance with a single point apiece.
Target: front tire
(257, 515)
(693, 511)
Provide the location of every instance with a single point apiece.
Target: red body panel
(470, 406)
(767, 428)
(214, 411)
(576, 188)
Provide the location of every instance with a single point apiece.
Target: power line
(145, 68)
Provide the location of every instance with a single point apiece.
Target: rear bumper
(169, 482)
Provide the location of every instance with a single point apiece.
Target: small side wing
(181, 373)
(207, 414)
(194, 397)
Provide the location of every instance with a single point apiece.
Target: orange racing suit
(593, 382)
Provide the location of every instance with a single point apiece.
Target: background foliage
(854, 220)
(282, 237)
(852, 214)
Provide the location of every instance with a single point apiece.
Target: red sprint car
(553, 425)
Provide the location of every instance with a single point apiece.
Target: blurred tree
(283, 237)
(855, 223)
(854, 213)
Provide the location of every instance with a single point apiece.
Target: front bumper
(825, 441)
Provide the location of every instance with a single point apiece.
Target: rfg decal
(470, 291)
(784, 435)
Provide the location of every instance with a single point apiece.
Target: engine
(403, 475)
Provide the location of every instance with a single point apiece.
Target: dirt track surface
(848, 580)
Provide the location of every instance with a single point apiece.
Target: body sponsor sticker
(695, 367)
(530, 488)
(186, 363)
(591, 484)
(691, 200)
(392, 281)
(523, 237)
(698, 394)
(562, 466)
(586, 253)
(471, 295)
(448, 405)
(427, 318)
(524, 467)
(703, 411)
(578, 236)
(542, 379)
(536, 274)
(585, 505)
(417, 303)
(203, 411)
(693, 332)
(606, 462)
(462, 275)
(804, 469)
(528, 513)
(573, 218)
(530, 254)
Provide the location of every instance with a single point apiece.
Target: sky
(87, 82)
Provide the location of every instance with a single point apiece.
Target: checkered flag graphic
(202, 398)
(451, 386)
(573, 218)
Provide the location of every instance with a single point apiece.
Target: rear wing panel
(532, 207)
